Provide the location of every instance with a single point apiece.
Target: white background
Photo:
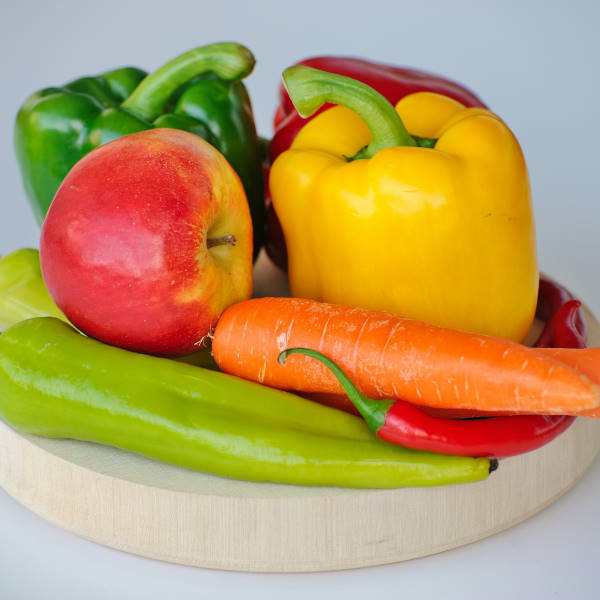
(534, 63)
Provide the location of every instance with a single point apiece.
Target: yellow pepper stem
(310, 88)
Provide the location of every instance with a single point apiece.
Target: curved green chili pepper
(57, 383)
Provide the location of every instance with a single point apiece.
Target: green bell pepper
(55, 382)
(199, 91)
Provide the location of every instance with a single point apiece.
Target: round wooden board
(160, 511)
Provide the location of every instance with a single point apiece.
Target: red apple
(147, 241)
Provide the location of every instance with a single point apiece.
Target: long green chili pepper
(55, 382)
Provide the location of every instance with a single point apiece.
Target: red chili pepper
(408, 425)
(405, 424)
(391, 81)
(565, 325)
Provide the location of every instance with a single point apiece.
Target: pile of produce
(399, 207)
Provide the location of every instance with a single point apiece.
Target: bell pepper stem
(228, 60)
(373, 411)
(310, 88)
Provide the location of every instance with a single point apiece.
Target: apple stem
(226, 240)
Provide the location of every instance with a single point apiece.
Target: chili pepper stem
(228, 60)
(310, 88)
(372, 411)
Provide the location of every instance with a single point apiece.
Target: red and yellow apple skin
(136, 247)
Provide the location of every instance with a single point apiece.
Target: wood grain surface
(160, 511)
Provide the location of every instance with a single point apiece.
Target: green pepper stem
(310, 88)
(373, 411)
(228, 60)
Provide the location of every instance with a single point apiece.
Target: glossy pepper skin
(57, 383)
(399, 422)
(371, 218)
(390, 81)
(200, 92)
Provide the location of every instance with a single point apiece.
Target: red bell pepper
(391, 81)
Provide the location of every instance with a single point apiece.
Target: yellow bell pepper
(435, 226)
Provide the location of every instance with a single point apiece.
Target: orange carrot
(392, 357)
(342, 402)
(585, 360)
